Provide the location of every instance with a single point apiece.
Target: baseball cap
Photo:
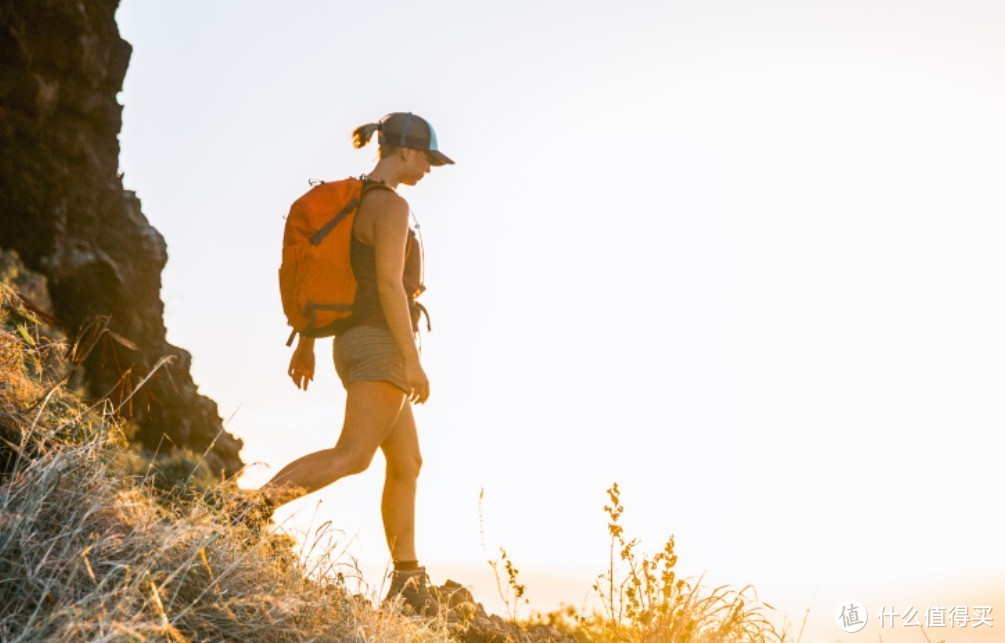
(405, 129)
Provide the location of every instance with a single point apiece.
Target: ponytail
(362, 134)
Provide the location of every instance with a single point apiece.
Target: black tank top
(367, 310)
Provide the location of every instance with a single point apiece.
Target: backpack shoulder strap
(347, 209)
(369, 184)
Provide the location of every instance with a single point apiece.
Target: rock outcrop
(470, 622)
(63, 208)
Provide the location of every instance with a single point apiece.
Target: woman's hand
(302, 364)
(418, 383)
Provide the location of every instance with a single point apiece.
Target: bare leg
(372, 410)
(397, 506)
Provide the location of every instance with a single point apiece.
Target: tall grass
(90, 550)
(99, 543)
(644, 601)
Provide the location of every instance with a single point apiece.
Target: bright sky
(743, 258)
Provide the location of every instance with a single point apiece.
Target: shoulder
(386, 204)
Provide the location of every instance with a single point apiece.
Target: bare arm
(389, 240)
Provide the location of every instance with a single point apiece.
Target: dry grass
(90, 551)
(643, 600)
(99, 544)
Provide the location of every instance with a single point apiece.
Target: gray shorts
(369, 354)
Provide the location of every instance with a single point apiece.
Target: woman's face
(415, 166)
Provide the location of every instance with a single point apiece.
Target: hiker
(375, 352)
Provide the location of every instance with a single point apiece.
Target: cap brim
(436, 157)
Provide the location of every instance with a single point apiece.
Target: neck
(385, 172)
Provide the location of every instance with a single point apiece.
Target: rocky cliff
(64, 210)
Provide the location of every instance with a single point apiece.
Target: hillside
(99, 541)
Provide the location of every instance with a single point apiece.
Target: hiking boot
(413, 587)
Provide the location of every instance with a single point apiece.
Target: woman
(376, 356)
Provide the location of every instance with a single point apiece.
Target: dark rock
(470, 622)
(65, 211)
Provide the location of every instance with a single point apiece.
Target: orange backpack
(316, 281)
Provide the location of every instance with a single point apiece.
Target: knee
(356, 461)
(404, 468)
